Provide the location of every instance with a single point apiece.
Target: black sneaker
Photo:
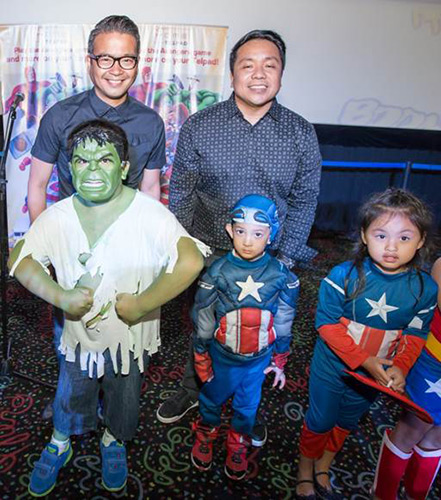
(259, 435)
(175, 407)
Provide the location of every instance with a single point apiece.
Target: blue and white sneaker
(113, 466)
(44, 475)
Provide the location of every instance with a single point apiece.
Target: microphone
(18, 98)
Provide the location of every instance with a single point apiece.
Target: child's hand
(398, 379)
(279, 375)
(127, 308)
(375, 368)
(77, 302)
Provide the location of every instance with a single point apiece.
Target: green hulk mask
(97, 171)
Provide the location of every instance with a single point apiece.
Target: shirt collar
(233, 110)
(101, 108)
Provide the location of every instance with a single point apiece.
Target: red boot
(391, 465)
(237, 463)
(421, 472)
(202, 451)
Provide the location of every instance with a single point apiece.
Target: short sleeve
(48, 142)
(37, 242)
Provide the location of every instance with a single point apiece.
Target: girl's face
(392, 241)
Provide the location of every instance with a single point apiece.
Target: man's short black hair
(101, 131)
(269, 35)
(112, 24)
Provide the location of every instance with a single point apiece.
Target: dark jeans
(76, 399)
(190, 381)
(58, 321)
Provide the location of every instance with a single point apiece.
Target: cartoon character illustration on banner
(39, 96)
(175, 104)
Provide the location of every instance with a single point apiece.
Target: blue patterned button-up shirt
(221, 157)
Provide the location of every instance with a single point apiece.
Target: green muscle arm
(75, 303)
(132, 308)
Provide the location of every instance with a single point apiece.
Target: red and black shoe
(237, 463)
(202, 451)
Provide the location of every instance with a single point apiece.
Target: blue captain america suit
(243, 313)
(381, 321)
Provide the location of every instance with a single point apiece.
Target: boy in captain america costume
(243, 313)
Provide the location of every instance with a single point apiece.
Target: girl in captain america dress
(243, 313)
(413, 448)
(373, 315)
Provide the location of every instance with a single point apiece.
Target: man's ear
(70, 167)
(125, 165)
(229, 229)
(88, 63)
(231, 80)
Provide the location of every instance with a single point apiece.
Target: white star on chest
(434, 387)
(380, 308)
(249, 287)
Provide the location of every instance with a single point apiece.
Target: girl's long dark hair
(392, 201)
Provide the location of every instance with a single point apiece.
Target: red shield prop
(401, 399)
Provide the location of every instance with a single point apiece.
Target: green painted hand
(128, 308)
(77, 302)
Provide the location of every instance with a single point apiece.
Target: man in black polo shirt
(112, 60)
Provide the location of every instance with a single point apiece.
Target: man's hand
(375, 368)
(77, 302)
(128, 309)
(398, 379)
(279, 375)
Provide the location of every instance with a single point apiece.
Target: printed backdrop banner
(181, 71)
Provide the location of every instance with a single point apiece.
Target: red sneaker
(202, 451)
(237, 463)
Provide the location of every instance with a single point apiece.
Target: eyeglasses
(107, 62)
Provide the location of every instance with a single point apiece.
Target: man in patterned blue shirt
(246, 144)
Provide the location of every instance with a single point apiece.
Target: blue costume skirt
(423, 385)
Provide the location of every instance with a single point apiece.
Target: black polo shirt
(143, 126)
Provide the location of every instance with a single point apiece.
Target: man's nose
(259, 71)
(116, 69)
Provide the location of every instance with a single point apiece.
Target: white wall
(365, 62)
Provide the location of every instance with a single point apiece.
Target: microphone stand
(4, 243)
(4, 246)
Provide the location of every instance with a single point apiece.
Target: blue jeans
(76, 398)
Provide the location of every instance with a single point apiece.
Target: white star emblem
(434, 387)
(380, 308)
(249, 287)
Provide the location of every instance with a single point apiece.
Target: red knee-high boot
(391, 465)
(421, 472)
(336, 439)
(312, 444)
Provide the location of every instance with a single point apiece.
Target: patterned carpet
(159, 462)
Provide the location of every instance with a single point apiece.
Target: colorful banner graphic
(181, 71)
